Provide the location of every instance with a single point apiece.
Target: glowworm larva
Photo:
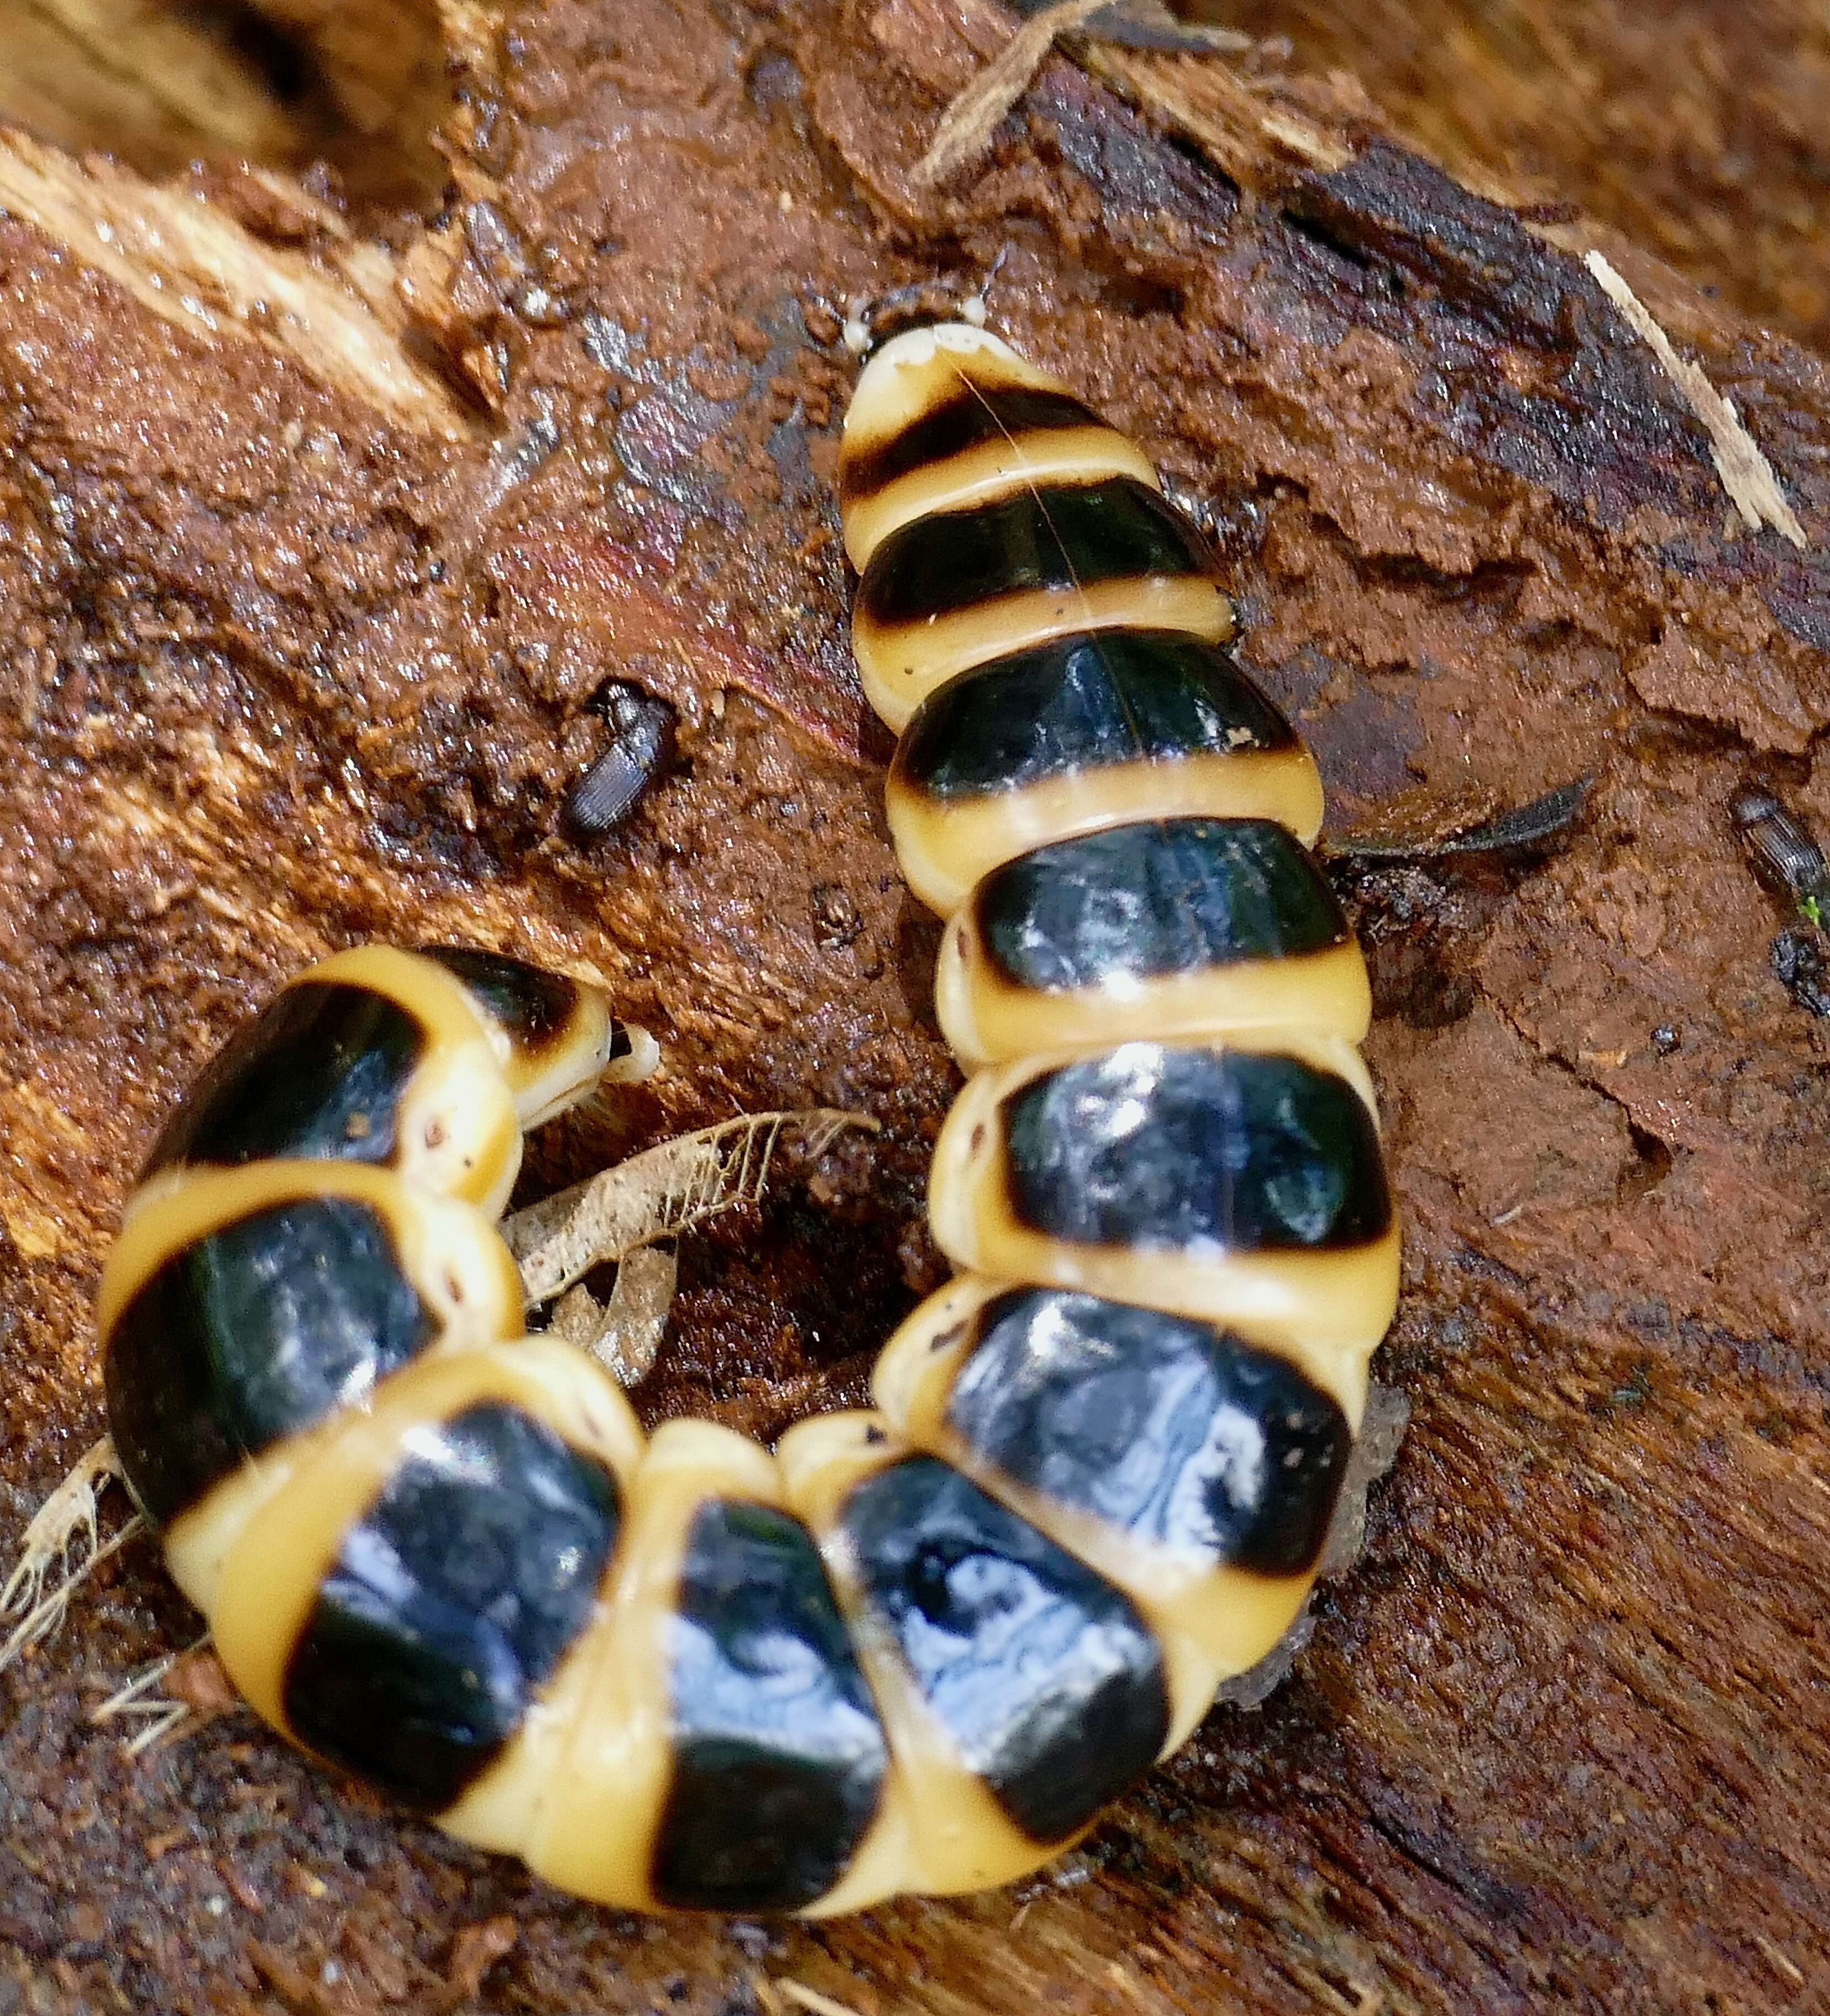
(917, 1647)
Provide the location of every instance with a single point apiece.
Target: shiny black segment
(257, 1331)
(1164, 896)
(980, 413)
(1152, 1146)
(1060, 539)
(318, 1077)
(779, 1758)
(1084, 703)
(1174, 1431)
(535, 1007)
(1043, 1673)
(450, 1602)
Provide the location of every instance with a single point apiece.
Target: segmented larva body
(918, 1647)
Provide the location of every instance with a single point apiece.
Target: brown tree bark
(1696, 128)
(314, 550)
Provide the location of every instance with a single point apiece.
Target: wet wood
(281, 666)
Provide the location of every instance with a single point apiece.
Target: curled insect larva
(641, 746)
(918, 1648)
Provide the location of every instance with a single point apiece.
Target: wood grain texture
(353, 92)
(85, 73)
(1695, 129)
(277, 671)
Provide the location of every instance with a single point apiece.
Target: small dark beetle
(1781, 850)
(641, 747)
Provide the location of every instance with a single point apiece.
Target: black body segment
(534, 1006)
(977, 415)
(258, 1330)
(1166, 896)
(1081, 703)
(1152, 1145)
(779, 1757)
(1044, 1675)
(450, 1602)
(1066, 539)
(1176, 1432)
(318, 1077)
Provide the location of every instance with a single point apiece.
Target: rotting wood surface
(281, 671)
(1696, 128)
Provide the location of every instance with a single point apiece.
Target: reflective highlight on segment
(1042, 1674)
(1176, 1432)
(450, 1602)
(1160, 927)
(779, 1757)
(1088, 731)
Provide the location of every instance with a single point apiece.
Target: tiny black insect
(641, 748)
(1781, 850)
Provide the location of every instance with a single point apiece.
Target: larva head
(949, 416)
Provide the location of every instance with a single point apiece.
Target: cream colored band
(456, 1131)
(912, 373)
(278, 1563)
(991, 470)
(1230, 1619)
(946, 846)
(577, 1060)
(598, 1825)
(988, 1020)
(901, 663)
(449, 1250)
(962, 1838)
(959, 1838)
(1319, 1306)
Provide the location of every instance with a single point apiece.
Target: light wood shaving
(623, 1334)
(1746, 474)
(658, 1194)
(1203, 102)
(968, 124)
(810, 1999)
(85, 72)
(198, 269)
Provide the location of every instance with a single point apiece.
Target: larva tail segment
(436, 1551)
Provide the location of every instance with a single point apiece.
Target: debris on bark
(665, 1191)
(966, 127)
(1746, 474)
